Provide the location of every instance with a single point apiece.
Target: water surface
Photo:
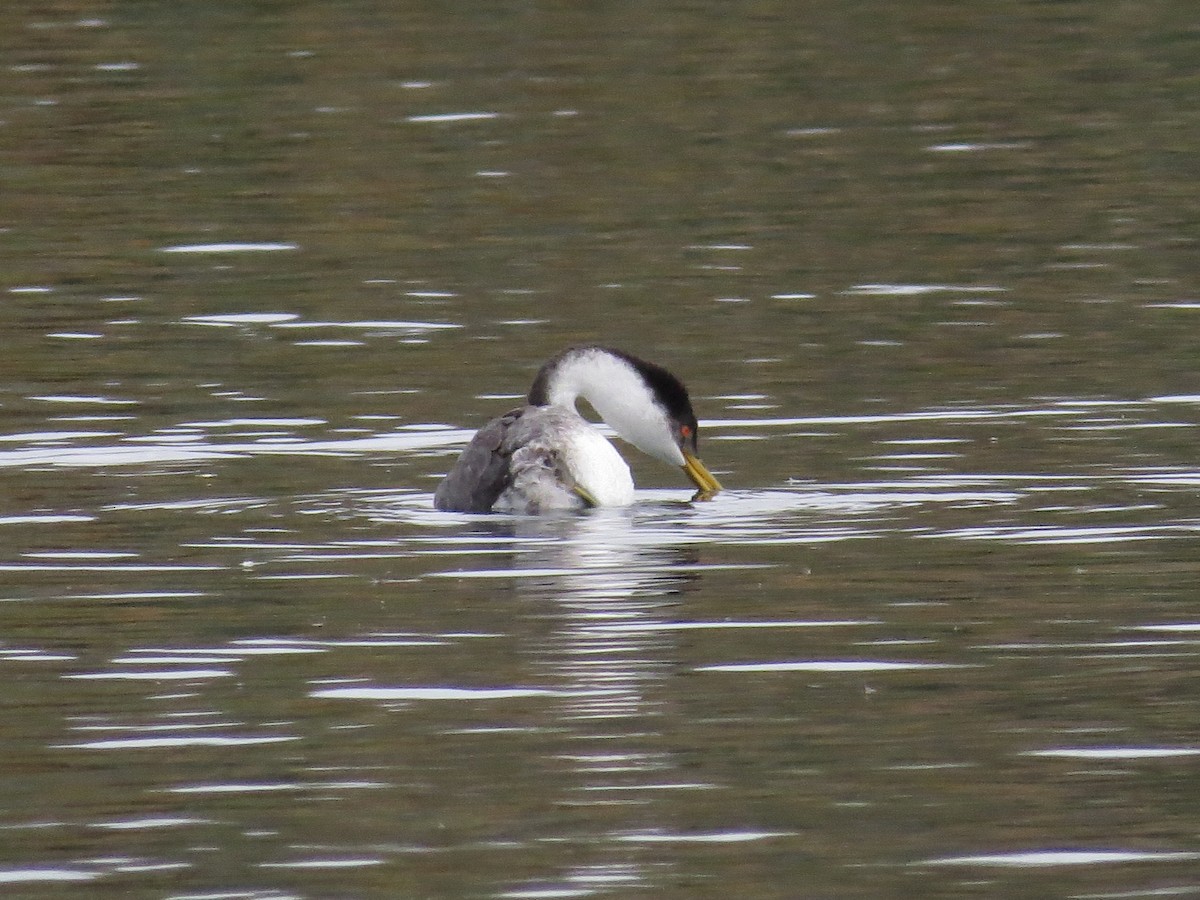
(929, 274)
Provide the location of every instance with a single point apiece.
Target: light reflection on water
(1061, 858)
(609, 598)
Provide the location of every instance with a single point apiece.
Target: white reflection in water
(149, 822)
(854, 665)
(273, 787)
(913, 290)
(168, 659)
(155, 675)
(234, 319)
(231, 247)
(782, 624)
(169, 451)
(608, 584)
(151, 867)
(80, 554)
(357, 863)
(1048, 534)
(84, 399)
(239, 423)
(10, 654)
(235, 650)
(717, 837)
(815, 514)
(116, 567)
(1042, 858)
(427, 693)
(46, 519)
(126, 596)
(35, 875)
(452, 117)
(144, 743)
(1121, 753)
(398, 325)
(1172, 478)
(976, 147)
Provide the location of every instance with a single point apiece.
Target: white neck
(620, 395)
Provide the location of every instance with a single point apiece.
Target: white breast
(598, 467)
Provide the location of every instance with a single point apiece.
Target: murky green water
(930, 274)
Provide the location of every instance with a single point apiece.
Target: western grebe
(545, 456)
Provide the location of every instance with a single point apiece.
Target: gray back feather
(481, 473)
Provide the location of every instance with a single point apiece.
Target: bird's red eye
(685, 430)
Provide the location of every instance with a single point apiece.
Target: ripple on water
(168, 449)
(232, 320)
(41, 437)
(1045, 858)
(25, 654)
(429, 693)
(84, 399)
(638, 627)
(1051, 534)
(916, 290)
(276, 787)
(152, 675)
(232, 247)
(834, 665)
(380, 324)
(36, 874)
(338, 863)
(149, 823)
(733, 836)
(169, 742)
(46, 519)
(1115, 753)
(452, 117)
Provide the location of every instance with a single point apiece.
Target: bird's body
(544, 456)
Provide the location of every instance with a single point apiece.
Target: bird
(544, 456)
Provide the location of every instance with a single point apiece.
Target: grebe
(544, 456)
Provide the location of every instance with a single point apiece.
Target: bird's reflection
(609, 590)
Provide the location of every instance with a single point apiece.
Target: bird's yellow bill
(585, 495)
(703, 479)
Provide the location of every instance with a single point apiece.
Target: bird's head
(644, 403)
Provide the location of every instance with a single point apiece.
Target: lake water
(929, 271)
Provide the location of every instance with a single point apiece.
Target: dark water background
(929, 270)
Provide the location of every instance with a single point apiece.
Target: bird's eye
(685, 431)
